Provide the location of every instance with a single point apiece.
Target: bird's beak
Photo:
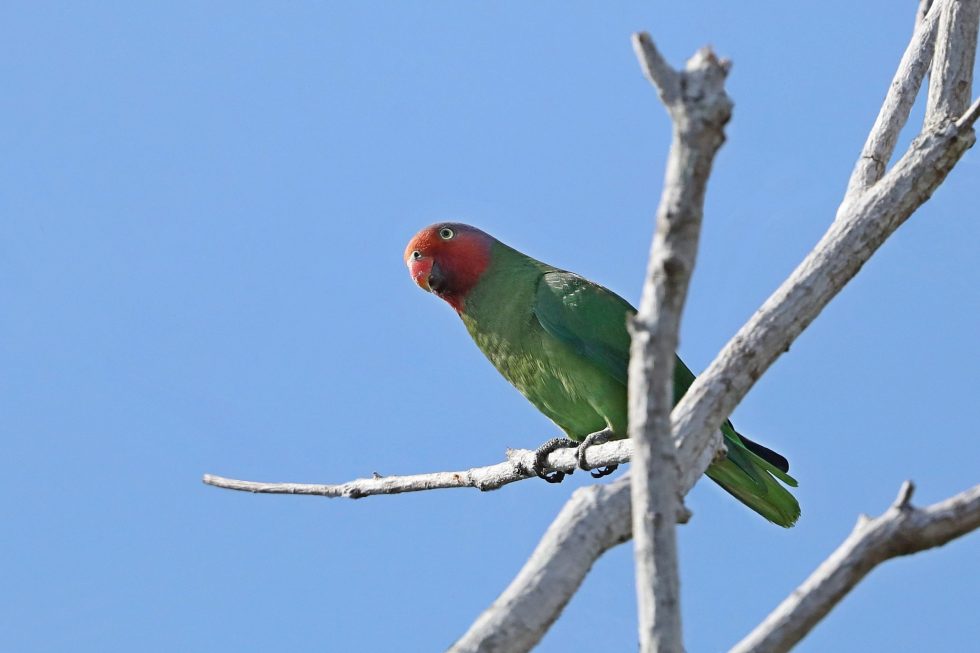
(421, 270)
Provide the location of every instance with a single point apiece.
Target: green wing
(592, 320)
(588, 318)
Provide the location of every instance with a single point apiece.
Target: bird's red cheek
(420, 269)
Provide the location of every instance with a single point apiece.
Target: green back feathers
(586, 317)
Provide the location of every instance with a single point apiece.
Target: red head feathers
(448, 259)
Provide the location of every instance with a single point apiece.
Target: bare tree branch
(894, 113)
(699, 109)
(951, 80)
(491, 477)
(655, 68)
(970, 116)
(522, 614)
(901, 530)
(862, 225)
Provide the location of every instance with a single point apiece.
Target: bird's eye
(446, 233)
(416, 255)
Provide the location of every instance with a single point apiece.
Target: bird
(563, 342)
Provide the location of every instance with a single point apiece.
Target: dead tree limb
(699, 109)
(490, 477)
(902, 530)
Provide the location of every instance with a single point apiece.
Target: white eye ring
(416, 255)
(446, 233)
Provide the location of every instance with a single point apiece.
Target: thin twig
(970, 116)
(901, 530)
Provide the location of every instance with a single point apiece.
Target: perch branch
(699, 109)
(902, 530)
(491, 477)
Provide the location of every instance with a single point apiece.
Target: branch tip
(655, 68)
(904, 496)
(684, 513)
(706, 58)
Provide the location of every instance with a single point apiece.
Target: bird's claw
(541, 459)
(594, 438)
(554, 476)
(599, 472)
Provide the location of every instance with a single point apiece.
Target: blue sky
(203, 208)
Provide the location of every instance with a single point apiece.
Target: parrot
(563, 342)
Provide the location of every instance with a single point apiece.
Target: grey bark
(521, 615)
(699, 109)
(895, 108)
(901, 530)
(517, 467)
(951, 78)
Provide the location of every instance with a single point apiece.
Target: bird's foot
(541, 459)
(594, 438)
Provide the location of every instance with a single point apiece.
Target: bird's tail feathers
(752, 479)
